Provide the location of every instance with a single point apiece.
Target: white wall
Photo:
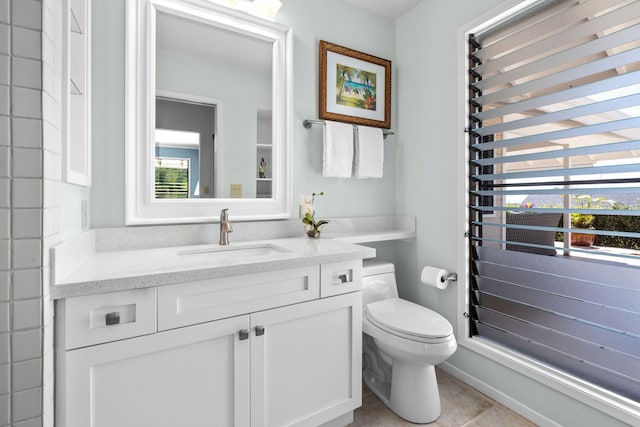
(331, 20)
(428, 186)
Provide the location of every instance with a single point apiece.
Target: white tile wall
(26, 133)
(4, 11)
(27, 163)
(27, 43)
(26, 13)
(27, 223)
(26, 375)
(5, 138)
(5, 68)
(26, 102)
(5, 105)
(5, 39)
(51, 143)
(26, 345)
(26, 73)
(26, 404)
(27, 284)
(5, 355)
(23, 356)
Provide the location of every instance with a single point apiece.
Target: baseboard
(498, 396)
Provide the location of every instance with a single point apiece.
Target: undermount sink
(240, 252)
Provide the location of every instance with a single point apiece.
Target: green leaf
(321, 222)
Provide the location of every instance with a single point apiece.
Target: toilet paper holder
(452, 277)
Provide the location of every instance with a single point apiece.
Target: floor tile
(462, 406)
(498, 416)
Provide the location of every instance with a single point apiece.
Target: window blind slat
(599, 170)
(570, 55)
(559, 229)
(612, 318)
(589, 28)
(567, 362)
(580, 190)
(611, 274)
(562, 77)
(594, 292)
(546, 23)
(570, 93)
(567, 114)
(628, 212)
(561, 153)
(611, 339)
(614, 361)
(611, 126)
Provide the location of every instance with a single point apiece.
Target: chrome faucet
(225, 227)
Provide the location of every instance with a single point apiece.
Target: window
(172, 178)
(554, 145)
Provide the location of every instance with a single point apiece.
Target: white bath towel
(337, 160)
(369, 152)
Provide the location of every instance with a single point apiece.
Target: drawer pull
(345, 278)
(243, 334)
(112, 318)
(259, 330)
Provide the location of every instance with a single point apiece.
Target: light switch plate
(236, 191)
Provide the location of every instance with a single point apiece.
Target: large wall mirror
(208, 113)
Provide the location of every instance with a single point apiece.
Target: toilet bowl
(402, 343)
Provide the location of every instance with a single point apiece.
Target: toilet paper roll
(435, 277)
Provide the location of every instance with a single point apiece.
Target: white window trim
(601, 399)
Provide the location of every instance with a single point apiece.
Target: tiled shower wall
(30, 66)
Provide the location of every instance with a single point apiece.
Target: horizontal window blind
(554, 179)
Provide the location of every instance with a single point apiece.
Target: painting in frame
(355, 87)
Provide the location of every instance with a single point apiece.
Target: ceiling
(388, 8)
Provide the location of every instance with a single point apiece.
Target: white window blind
(554, 144)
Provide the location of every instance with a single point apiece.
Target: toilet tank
(378, 282)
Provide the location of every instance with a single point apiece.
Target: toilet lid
(408, 318)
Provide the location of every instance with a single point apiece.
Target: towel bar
(310, 122)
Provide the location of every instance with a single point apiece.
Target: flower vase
(312, 233)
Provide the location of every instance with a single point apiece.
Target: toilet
(402, 343)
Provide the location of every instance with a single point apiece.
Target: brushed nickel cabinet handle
(112, 318)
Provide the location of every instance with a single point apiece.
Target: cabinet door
(195, 376)
(306, 364)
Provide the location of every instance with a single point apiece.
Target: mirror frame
(141, 207)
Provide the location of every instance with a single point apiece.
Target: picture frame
(355, 87)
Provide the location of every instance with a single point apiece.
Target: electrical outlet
(236, 191)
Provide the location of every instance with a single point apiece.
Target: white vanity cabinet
(279, 356)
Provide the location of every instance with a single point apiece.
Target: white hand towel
(369, 152)
(337, 159)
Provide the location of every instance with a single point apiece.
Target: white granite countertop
(109, 271)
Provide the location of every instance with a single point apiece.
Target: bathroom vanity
(255, 334)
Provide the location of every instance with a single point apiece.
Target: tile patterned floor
(462, 406)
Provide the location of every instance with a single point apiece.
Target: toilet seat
(408, 320)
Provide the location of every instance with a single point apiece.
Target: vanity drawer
(205, 300)
(96, 319)
(340, 277)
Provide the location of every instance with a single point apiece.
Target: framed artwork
(355, 87)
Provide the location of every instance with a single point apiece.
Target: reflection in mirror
(184, 149)
(233, 69)
(208, 113)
